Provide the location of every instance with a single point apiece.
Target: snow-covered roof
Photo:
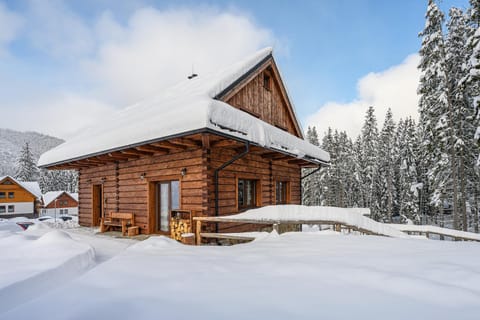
(31, 186)
(52, 195)
(74, 195)
(187, 107)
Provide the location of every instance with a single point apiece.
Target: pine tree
(408, 187)
(26, 167)
(461, 115)
(310, 185)
(472, 90)
(387, 158)
(327, 181)
(434, 107)
(357, 164)
(345, 173)
(312, 136)
(368, 163)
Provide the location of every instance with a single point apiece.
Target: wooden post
(198, 237)
(275, 227)
(338, 227)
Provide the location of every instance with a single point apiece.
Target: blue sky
(324, 50)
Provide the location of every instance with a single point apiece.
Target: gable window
(267, 82)
(7, 182)
(2, 209)
(247, 193)
(11, 195)
(281, 192)
(2, 195)
(11, 209)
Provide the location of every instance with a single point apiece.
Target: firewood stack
(179, 227)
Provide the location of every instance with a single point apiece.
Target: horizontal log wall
(125, 191)
(249, 167)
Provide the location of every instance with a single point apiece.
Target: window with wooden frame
(282, 192)
(267, 81)
(248, 193)
(11, 195)
(2, 209)
(2, 195)
(11, 208)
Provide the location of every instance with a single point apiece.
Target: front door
(97, 204)
(167, 199)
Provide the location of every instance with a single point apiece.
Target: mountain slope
(11, 143)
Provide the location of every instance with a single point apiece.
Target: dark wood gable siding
(268, 104)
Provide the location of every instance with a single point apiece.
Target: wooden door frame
(96, 216)
(151, 200)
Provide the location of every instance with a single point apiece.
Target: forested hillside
(12, 142)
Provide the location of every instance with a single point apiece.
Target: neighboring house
(19, 198)
(215, 144)
(60, 202)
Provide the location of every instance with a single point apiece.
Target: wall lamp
(183, 172)
(143, 175)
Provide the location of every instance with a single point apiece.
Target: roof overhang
(313, 161)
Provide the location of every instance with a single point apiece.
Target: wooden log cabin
(214, 144)
(19, 198)
(59, 203)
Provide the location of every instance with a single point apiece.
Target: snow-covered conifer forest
(19, 153)
(426, 171)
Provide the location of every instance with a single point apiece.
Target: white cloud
(10, 25)
(54, 29)
(394, 88)
(159, 48)
(60, 115)
(106, 64)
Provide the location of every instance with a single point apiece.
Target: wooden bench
(117, 219)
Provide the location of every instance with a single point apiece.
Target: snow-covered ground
(29, 264)
(310, 275)
(43, 258)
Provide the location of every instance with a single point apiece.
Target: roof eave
(179, 135)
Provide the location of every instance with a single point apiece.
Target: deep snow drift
(35, 260)
(312, 275)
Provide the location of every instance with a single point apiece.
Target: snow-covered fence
(340, 218)
(428, 230)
